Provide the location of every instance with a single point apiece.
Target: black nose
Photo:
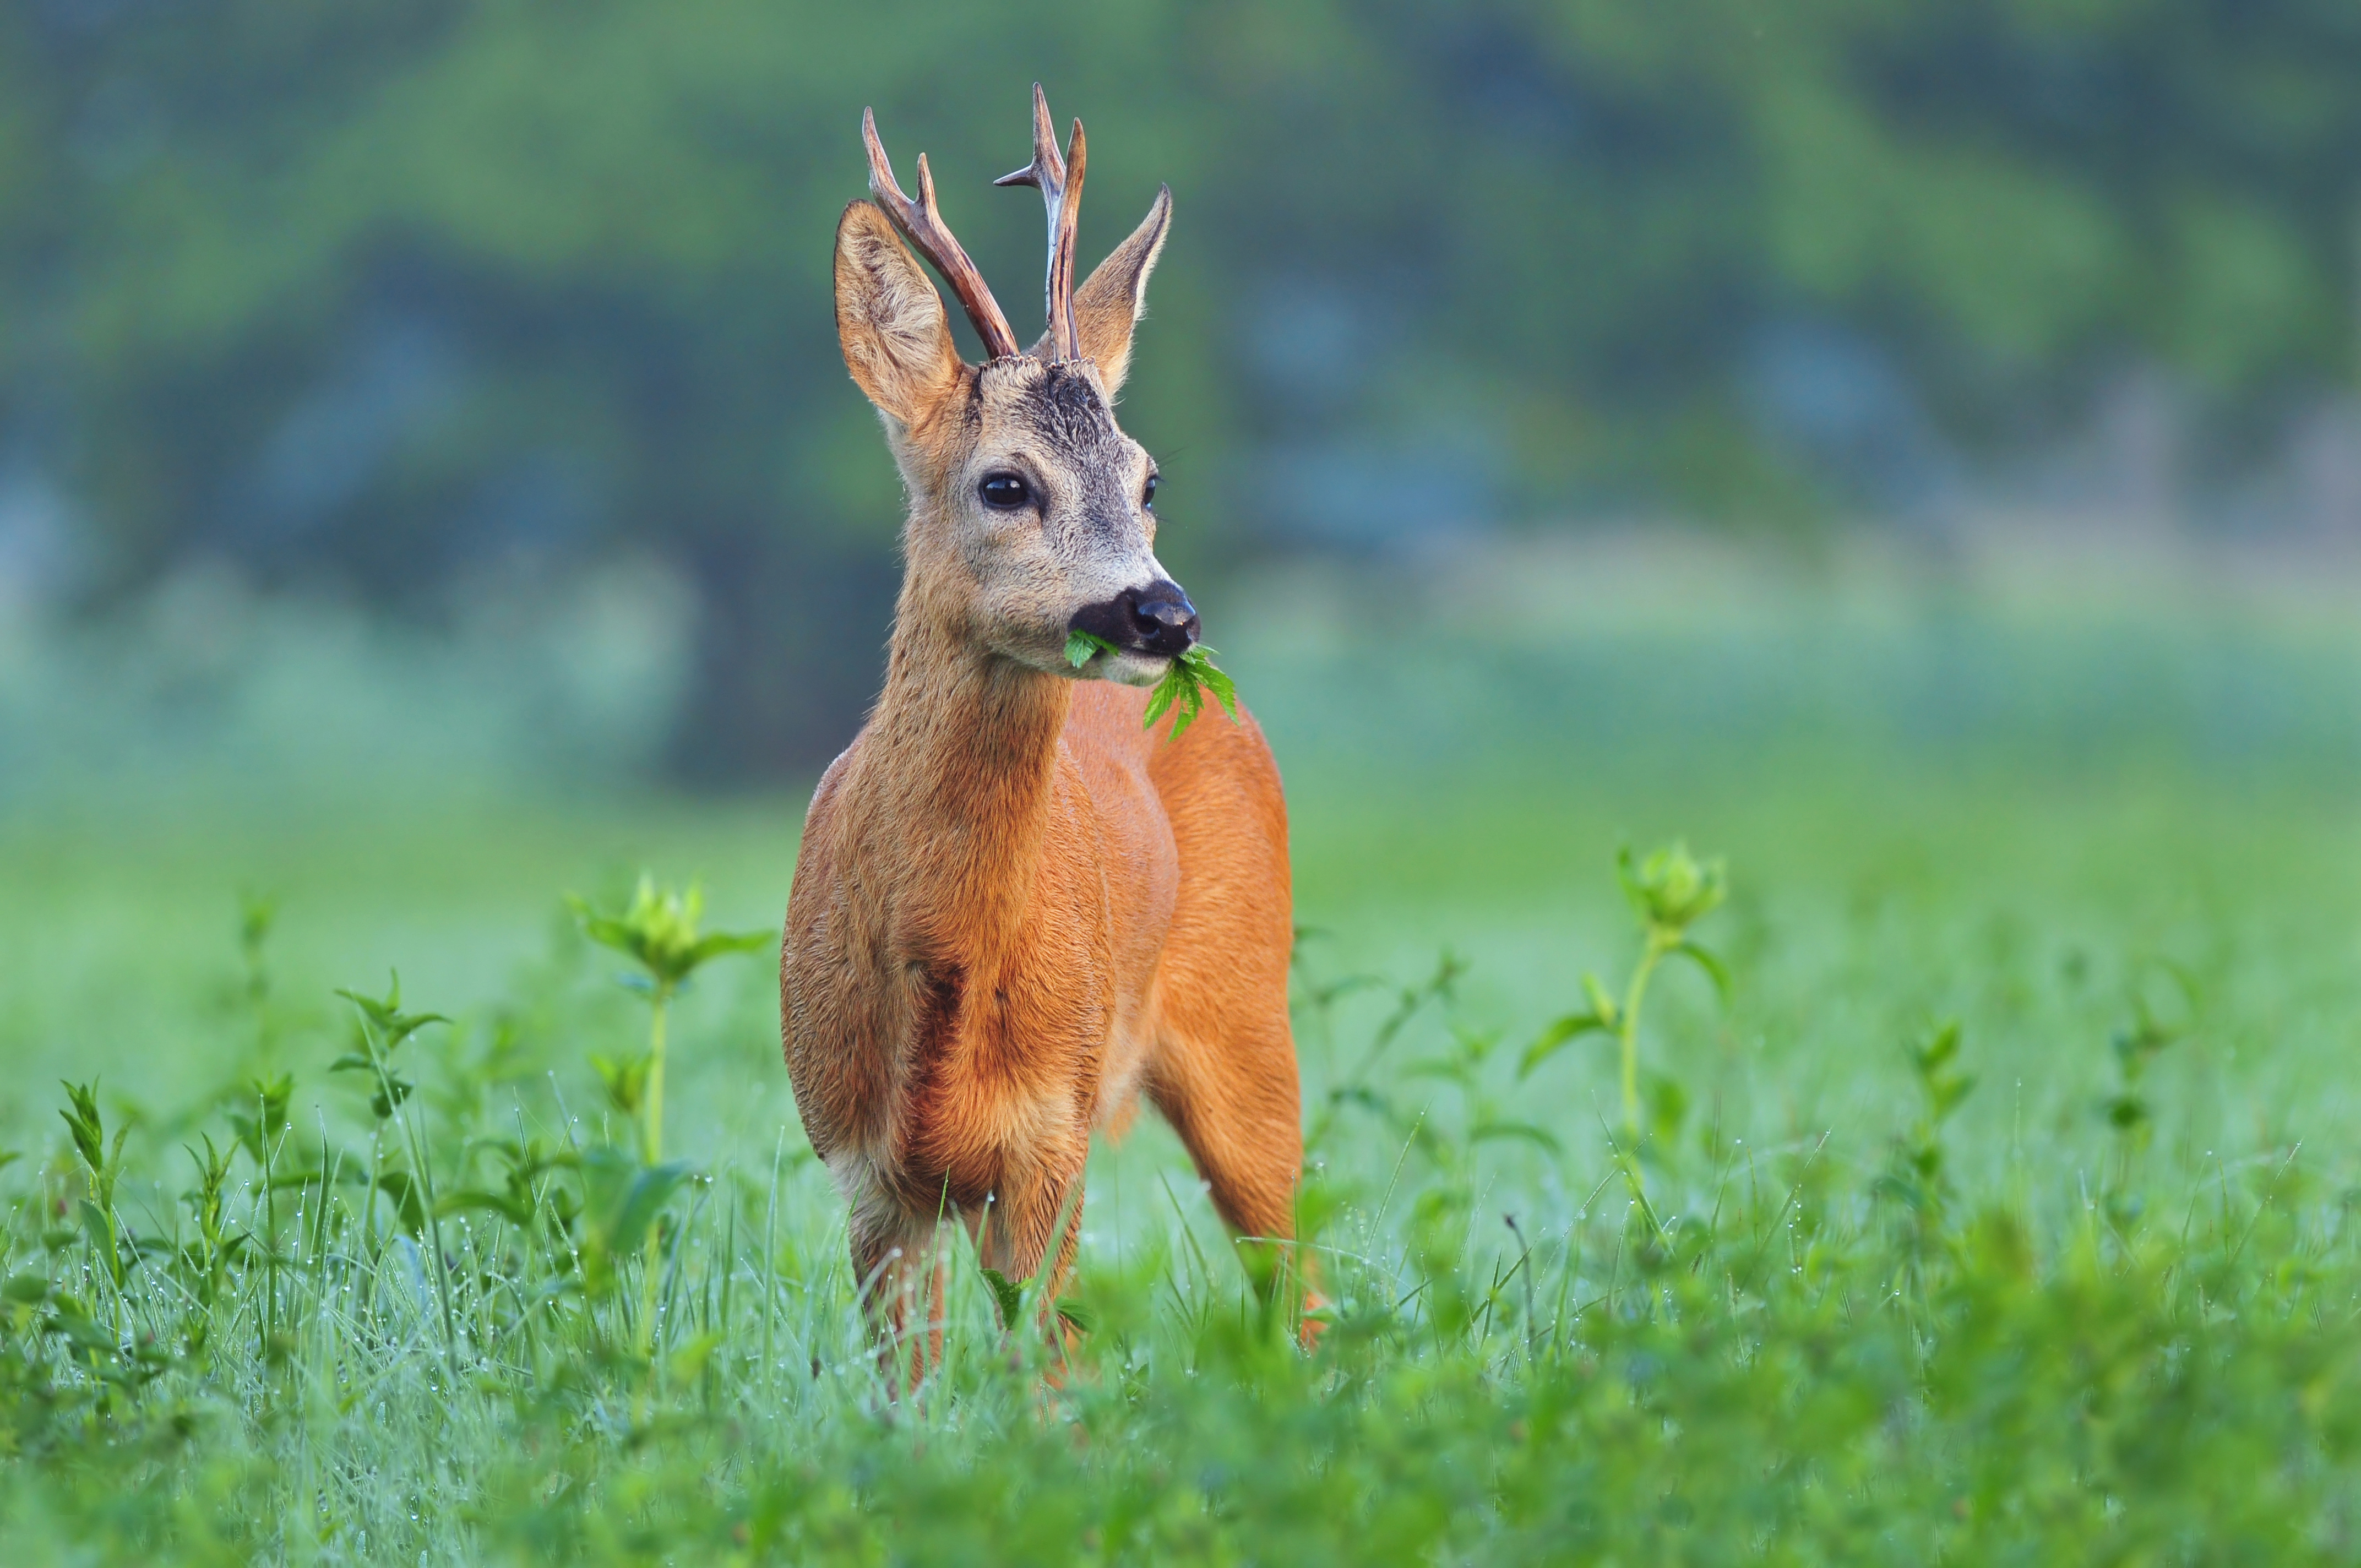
(1158, 618)
(1164, 619)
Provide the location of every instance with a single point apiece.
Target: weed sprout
(1670, 892)
(658, 931)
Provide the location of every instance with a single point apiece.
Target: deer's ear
(1115, 296)
(889, 319)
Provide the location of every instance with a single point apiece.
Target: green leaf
(1225, 690)
(1161, 697)
(1362, 1095)
(267, 1101)
(1080, 1316)
(1941, 1045)
(391, 1093)
(724, 942)
(87, 1123)
(658, 930)
(515, 1209)
(1184, 685)
(1082, 646)
(1504, 1128)
(1708, 962)
(621, 1197)
(1600, 1003)
(102, 1230)
(1555, 1038)
(1006, 1295)
(384, 1014)
(408, 1204)
(625, 1081)
(70, 1320)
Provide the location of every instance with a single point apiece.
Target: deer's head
(1032, 512)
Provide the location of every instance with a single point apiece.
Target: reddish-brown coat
(1016, 910)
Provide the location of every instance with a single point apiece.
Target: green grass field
(2083, 1291)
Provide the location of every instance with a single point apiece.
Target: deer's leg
(1037, 1216)
(1235, 1107)
(1028, 1218)
(1223, 1076)
(898, 1260)
(1235, 1111)
(1223, 1069)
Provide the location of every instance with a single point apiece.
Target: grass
(2002, 1211)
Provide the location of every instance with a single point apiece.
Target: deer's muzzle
(1158, 618)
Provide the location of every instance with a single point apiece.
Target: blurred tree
(384, 293)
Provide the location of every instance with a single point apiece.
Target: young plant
(102, 1164)
(1359, 1087)
(1916, 1177)
(2127, 1112)
(658, 931)
(1192, 674)
(381, 1027)
(204, 1262)
(262, 1134)
(1670, 892)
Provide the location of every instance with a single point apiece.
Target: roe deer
(1016, 908)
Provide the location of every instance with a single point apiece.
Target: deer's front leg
(898, 1259)
(1025, 1221)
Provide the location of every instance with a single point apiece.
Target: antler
(1061, 183)
(924, 227)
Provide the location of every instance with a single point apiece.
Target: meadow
(1997, 1208)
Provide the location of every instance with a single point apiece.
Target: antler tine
(1060, 180)
(923, 226)
(1045, 149)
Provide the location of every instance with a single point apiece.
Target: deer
(1018, 908)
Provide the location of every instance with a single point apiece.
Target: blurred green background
(475, 316)
(1911, 447)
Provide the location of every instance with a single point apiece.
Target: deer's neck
(966, 756)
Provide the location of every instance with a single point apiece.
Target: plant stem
(653, 1136)
(1628, 1029)
(269, 1224)
(652, 1147)
(422, 1175)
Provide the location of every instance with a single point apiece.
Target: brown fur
(1014, 909)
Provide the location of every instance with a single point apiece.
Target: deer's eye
(1005, 492)
(1148, 496)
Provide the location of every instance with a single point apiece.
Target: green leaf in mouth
(1191, 675)
(1081, 646)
